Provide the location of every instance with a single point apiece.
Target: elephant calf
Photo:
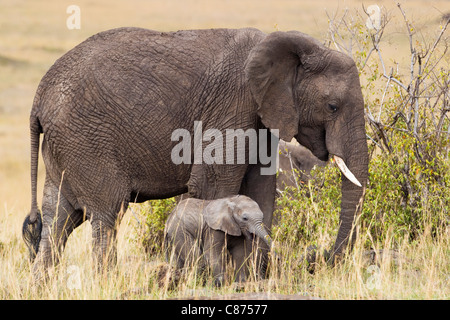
(210, 229)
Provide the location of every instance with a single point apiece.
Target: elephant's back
(126, 84)
(187, 217)
(135, 68)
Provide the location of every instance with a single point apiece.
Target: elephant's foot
(104, 246)
(219, 281)
(311, 258)
(168, 276)
(46, 260)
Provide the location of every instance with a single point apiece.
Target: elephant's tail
(31, 233)
(32, 226)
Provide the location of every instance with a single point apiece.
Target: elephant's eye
(244, 217)
(333, 108)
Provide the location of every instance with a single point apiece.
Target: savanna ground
(405, 217)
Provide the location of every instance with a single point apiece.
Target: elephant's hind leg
(104, 244)
(104, 235)
(59, 219)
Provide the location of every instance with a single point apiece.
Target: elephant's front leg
(262, 189)
(215, 255)
(240, 250)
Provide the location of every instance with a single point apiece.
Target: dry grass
(411, 271)
(33, 35)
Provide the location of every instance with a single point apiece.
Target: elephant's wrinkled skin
(212, 228)
(108, 107)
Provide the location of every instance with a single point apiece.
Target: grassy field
(33, 34)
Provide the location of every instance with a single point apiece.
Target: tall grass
(404, 270)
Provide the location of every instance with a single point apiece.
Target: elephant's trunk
(260, 231)
(356, 158)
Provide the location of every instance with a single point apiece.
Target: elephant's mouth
(247, 234)
(343, 167)
(318, 146)
(314, 140)
(324, 155)
(339, 161)
(345, 170)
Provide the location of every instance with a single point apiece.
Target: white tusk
(342, 166)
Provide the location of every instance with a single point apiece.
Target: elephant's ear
(271, 69)
(219, 216)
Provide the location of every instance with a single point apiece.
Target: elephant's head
(238, 215)
(313, 93)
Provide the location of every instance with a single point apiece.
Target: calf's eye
(332, 107)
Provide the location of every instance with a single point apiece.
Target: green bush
(310, 214)
(406, 197)
(155, 213)
(307, 213)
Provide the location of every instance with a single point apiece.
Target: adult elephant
(108, 107)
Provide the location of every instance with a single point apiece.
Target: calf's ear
(219, 216)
